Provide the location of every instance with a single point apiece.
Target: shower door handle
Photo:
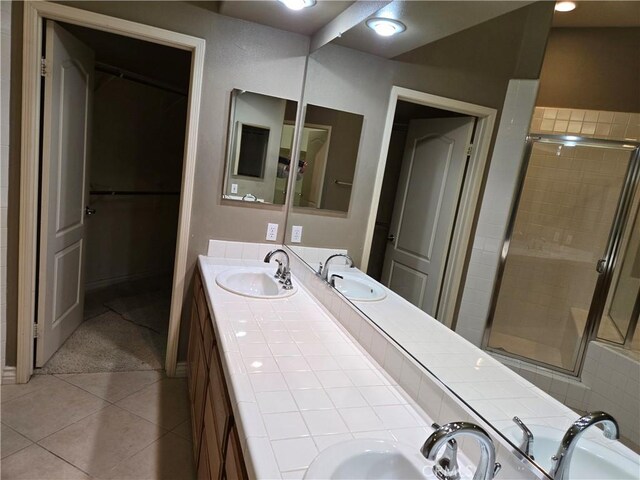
(601, 265)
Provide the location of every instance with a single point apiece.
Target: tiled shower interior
(565, 212)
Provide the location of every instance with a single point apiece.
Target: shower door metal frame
(603, 282)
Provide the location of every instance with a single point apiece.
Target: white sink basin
(370, 459)
(591, 460)
(253, 282)
(358, 287)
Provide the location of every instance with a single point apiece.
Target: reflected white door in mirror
(433, 167)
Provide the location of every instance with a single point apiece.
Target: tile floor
(121, 425)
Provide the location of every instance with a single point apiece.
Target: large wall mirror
(429, 105)
(259, 148)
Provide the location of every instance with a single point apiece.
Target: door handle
(89, 211)
(391, 237)
(600, 265)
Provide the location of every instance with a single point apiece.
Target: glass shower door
(558, 253)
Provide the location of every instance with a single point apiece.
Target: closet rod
(135, 77)
(129, 192)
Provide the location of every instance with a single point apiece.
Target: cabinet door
(213, 449)
(194, 333)
(234, 468)
(204, 472)
(197, 405)
(220, 398)
(208, 338)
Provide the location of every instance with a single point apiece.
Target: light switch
(296, 234)
(234, 188)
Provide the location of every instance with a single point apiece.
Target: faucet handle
(286, 280)
(332, 280)
(320, 269)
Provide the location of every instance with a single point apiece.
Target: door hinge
(469, 149)
(35, 330)
(43, 67)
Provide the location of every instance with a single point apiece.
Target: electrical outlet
(234, 188)
(296, 234)
(272, 231)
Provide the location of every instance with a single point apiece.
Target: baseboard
(181, 369)
(9, 375)
(107, 282)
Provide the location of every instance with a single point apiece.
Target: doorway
(433, 156)
(424, 173)
(562, 250)
(36, 14)
(113, 122)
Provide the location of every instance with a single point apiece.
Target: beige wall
(238, 54)
(474, 65)
(593, 68)
(136, 145)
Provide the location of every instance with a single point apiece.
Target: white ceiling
(274, 14)
(600, 14)
(426, 22)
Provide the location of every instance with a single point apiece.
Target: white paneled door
(431, 178)
(68, 84)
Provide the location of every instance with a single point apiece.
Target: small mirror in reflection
(260, 146)
(328, 157)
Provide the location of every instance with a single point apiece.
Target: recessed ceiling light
(386, 27)
(297, 4)
(565, 6)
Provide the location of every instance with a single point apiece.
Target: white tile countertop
(298, 382)
(493, 390)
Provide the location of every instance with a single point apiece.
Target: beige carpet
(125, 329)
(108, 343)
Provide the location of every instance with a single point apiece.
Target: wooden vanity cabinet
(216, 444)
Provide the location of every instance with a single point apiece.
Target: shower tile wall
(5, 47)
(586, 123)
(564, 218)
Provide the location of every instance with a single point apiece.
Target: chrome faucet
(323, 271)
(562, 459)
(283, 273)
(527, 443)
(446, 468)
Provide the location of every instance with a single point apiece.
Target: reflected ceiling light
(565, 6)
(297, 4)
(386, 27)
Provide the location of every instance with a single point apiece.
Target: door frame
(35, 12)
(461, 239)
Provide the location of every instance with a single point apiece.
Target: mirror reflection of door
(328, 156)
(251, 150)
(431, 178)
(314, 152)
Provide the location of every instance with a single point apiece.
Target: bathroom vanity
(216, 446)
(275, 382)
(285, 384)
